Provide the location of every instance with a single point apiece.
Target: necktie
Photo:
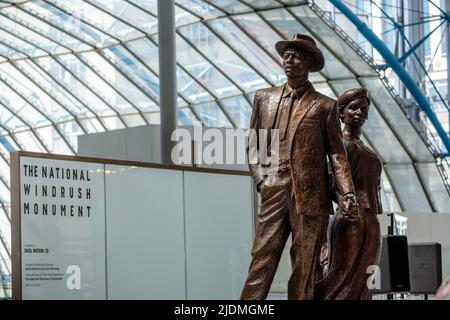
(286, 115)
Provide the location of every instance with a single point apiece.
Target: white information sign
(62, 209)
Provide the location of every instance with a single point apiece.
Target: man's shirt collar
(300, 91)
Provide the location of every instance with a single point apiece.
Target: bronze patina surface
(354, 245)
(297, 199)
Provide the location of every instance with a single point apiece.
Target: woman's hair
(350, 95)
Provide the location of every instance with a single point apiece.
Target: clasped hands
(349, 206)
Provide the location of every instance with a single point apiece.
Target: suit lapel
(305, 104)
(273, 106)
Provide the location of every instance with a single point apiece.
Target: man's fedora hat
(306, 44)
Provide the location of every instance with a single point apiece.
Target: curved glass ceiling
(85, 66)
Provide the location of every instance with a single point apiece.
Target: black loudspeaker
(394, 265)
(425, 267)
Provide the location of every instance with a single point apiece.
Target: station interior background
(81, 77)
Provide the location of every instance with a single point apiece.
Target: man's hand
(349, 206)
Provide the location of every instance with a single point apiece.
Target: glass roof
(85, 66)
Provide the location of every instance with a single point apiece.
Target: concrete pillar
(401, 40)
(416, 33)
(167, 75)
(447, 9)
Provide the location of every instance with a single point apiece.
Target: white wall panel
(219, 234)
(145, 234)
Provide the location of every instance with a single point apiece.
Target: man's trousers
(276, 220)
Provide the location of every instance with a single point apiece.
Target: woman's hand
(349, 206)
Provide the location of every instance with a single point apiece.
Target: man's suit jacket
(314, 132)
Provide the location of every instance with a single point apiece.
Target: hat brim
(308, 47)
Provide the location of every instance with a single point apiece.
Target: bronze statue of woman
(354, 244)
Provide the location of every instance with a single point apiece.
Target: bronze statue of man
(297, 198)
